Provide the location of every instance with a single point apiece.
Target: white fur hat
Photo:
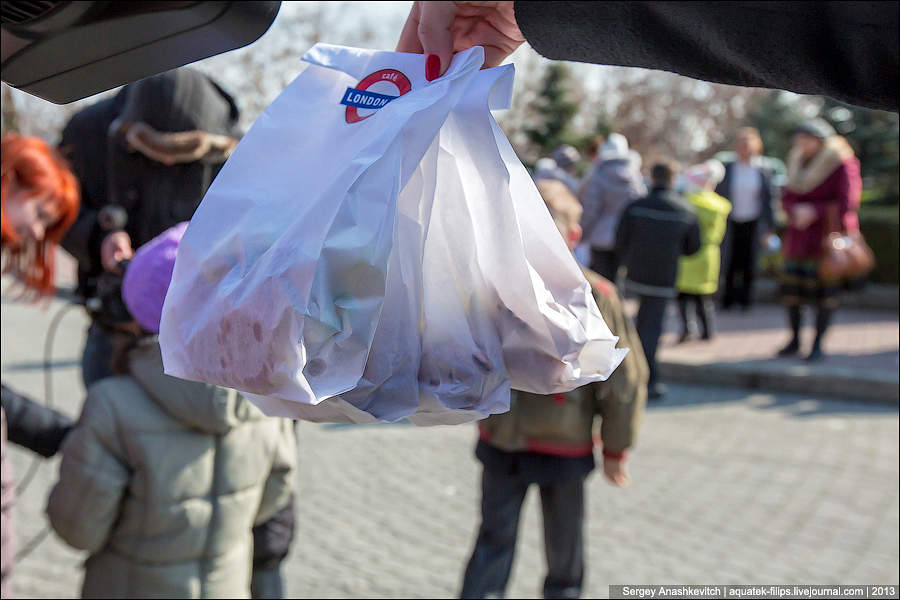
(615, 147)
(705, 175)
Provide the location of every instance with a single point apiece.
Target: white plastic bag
(280, 277)
(310, 281)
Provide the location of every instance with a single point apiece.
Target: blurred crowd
(179, 488)
(182, 489)
(695, 234)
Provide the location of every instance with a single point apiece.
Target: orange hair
(30, 163)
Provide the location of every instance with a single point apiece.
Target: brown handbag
(845, 255)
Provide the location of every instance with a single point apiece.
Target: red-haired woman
(39, 204)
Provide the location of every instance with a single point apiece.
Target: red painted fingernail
(432, 67)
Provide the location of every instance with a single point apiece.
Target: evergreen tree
(553, 111)
(874, 137)
(872, 133)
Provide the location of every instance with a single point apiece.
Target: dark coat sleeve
(272, 539)
(623, 235)
(724, 187)
(847, 50)
(83, 240)
(34, 426)
(84, 146)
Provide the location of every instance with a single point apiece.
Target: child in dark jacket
(549, 441)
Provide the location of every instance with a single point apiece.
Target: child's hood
(711, 201)
(202, 406)
(618, 170)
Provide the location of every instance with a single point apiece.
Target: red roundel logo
(374, 92)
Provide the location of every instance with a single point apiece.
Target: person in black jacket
(847, 50)
(84, 144)
(653, 233)
(748, 186)
(144, 159)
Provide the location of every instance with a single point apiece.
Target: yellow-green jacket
(699, 273)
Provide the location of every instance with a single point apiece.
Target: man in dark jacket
(84, 145)
(653, 233)
(144, 160)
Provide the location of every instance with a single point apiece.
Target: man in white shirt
(747, 185)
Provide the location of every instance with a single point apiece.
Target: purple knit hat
(148, 276)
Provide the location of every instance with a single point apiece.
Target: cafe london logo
(374, 92)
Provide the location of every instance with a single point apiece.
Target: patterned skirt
(800, 282)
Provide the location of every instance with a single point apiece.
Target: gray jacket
(611, 186)
(162, 481)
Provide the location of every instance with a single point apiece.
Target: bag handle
(833, 221)
(359, 63)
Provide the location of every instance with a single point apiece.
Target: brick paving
(863, 340)
(729, 487)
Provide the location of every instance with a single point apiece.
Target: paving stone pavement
(866, 340)
(861, 360)
(728, 488)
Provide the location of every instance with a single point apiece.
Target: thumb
(436, 38)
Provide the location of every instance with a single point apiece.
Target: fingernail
(432, 67)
